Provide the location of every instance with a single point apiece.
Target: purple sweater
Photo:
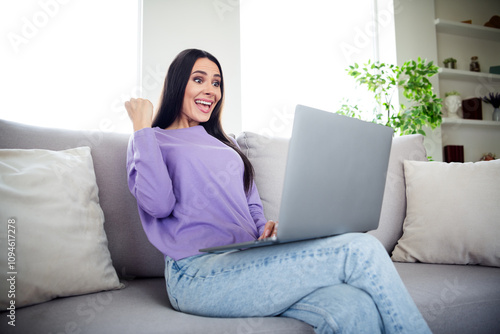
(189, 190)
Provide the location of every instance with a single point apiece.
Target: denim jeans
(341, 284)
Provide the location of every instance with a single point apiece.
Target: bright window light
(69, 64)
(296, 52)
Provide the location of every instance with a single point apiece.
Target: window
(69, 64)
(296, 52)
(72, 64)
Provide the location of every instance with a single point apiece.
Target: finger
(264, 233)
(130, 105)
(268, 230)
(275, 229)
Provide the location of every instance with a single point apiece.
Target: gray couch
(452, 298)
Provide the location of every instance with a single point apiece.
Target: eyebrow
(205, 73)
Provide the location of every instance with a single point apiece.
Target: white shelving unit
(465, 40)
(467, 30)
(446, 73)
(470, 122)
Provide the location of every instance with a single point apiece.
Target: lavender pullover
(189, 190)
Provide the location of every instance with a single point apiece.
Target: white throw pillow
(453, 213)
(51, 218)
(268, 157)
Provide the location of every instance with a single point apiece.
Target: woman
(195, 189)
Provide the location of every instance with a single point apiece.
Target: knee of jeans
(368, 241)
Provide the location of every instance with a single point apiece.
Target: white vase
(452, 104)
(496, 114)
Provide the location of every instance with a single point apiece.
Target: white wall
(170, 26)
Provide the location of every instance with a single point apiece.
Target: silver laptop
(334, 180)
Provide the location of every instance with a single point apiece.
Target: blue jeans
(340, 284)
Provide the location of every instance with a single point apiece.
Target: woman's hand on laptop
(270, 230)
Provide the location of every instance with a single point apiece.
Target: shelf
(461, 121)
(448, 73)
(467, 30)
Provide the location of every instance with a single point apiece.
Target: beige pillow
(51, 218)
(453, 213)
(268, 157)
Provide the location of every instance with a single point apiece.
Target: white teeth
(203, 102)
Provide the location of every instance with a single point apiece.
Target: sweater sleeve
(256, 209)
(148, 177)
(254, 203)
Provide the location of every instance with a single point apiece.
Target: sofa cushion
(390, 228)
(453, 213)
(268, 157)
(131, 252)
(53, 227)
(454, 299)
(142, 307)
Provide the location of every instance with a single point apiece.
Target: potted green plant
(494, 100)
(450, 62)
(385, 80)
(452, 93)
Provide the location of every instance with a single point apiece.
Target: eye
(198, 80)
(216, 84)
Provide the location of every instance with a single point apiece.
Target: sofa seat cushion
(454, 298)
(142, 307)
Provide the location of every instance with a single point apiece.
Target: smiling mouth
(204, 105)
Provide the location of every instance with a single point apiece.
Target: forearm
(148, 177)
(256, 209)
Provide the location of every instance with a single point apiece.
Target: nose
(209, 89)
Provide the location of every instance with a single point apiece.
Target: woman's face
(202, 93)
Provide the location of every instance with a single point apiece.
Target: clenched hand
(140, 112)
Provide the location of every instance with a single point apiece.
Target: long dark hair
(170, 106)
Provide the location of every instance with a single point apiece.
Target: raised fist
(140, 112)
